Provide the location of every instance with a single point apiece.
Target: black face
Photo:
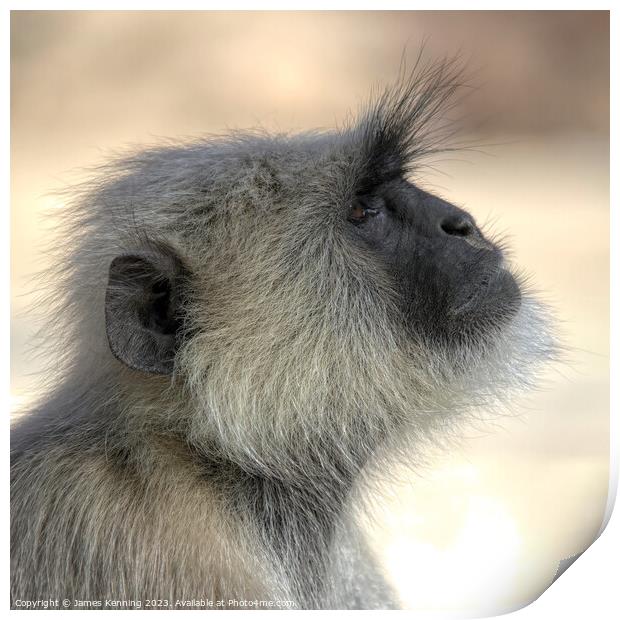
(451, 278)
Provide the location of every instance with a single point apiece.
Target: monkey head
(296, 294)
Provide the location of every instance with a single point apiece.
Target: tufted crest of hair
(290, 362)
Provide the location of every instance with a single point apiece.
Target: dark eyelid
(371, 202)
(374, 202)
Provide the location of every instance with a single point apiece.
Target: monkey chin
(504, 339)
(493, 304)
(502, 295)
(509, 290)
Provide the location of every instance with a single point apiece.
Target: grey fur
(292, 393)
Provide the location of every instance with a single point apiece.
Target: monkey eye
(361, 211)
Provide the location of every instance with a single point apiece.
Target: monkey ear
(142, 310)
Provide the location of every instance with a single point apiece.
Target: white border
(588, 589)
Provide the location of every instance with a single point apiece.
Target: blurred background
(483, 529)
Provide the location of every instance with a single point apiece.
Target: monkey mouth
(496, 294)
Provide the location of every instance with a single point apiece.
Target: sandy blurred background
(484, 528)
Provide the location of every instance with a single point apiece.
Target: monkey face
(451, 280)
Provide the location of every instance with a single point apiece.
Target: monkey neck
(295, 518)
(295, 505)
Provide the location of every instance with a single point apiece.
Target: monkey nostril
(457, 225)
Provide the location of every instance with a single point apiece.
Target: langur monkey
(245, 331)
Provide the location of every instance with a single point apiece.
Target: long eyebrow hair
(406, 121)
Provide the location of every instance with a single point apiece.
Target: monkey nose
(457, 225)
(461, 225)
